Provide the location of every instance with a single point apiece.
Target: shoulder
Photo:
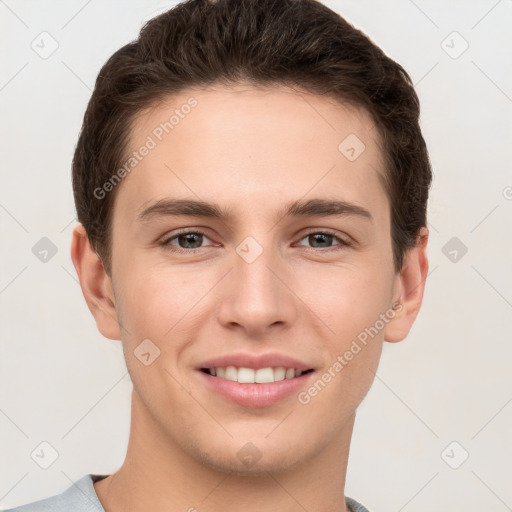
(355, 506)
(78, 497)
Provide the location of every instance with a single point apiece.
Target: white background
(63, 383)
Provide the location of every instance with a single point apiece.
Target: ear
(409, 286)
(95, 283)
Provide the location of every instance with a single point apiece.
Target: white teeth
(279, 373)
(251, 376)
(245, 375)
(230, 373)
(264, 375)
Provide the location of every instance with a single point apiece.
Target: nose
(257, 295)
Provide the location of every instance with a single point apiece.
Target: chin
(255, 454)
(275, 463)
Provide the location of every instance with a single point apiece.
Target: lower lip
(256, 395)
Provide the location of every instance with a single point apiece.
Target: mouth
(255, 387)
(245, 375)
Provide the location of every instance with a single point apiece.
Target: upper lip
(255, 361)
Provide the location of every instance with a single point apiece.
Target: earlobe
(95, 283)
(410, 285)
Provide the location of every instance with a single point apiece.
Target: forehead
(262, 146)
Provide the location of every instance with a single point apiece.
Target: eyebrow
(300, 208)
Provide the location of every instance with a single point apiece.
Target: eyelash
(167, 245)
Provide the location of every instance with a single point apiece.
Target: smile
(238, 385)
(246, 375)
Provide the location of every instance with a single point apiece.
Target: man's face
(256, 283)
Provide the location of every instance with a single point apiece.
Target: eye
(325, 238)
(191, 241)
(187, 241)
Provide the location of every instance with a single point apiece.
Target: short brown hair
(298, 43)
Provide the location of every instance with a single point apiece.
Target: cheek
(156, 304)
(346, 298)
(350, 303)
(158, 301)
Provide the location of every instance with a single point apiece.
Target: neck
(158, 474)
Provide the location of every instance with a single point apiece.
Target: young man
(251, 183)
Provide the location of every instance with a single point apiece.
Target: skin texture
(252, 150)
